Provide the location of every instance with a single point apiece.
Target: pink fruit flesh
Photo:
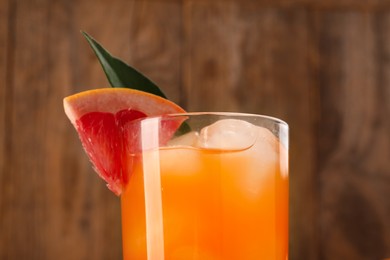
(101, 134)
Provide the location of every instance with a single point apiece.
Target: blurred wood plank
(354, 139)
(238, 59)
(324, 5)
(4, 44)
(155, 44)
(212, 55)
(5, 65)
(24, 199)
(77, 196)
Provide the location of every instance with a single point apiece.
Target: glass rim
(212, 113)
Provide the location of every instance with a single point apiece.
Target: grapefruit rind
(113, 100)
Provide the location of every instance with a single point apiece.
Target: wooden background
(321, 65)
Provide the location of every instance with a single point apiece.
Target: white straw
(152, 189)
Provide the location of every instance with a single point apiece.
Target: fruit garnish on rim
(100, 116)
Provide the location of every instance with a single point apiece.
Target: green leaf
(119, 74)
(183, 129)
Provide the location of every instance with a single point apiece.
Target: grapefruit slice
(101, 116)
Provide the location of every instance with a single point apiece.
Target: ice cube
(266, 140)
(234, 134)
(188, 139)
(228, 134)
(253, 170)
(267, 147)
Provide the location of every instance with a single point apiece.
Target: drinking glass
(206, 186)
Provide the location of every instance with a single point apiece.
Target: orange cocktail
(219, 191)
